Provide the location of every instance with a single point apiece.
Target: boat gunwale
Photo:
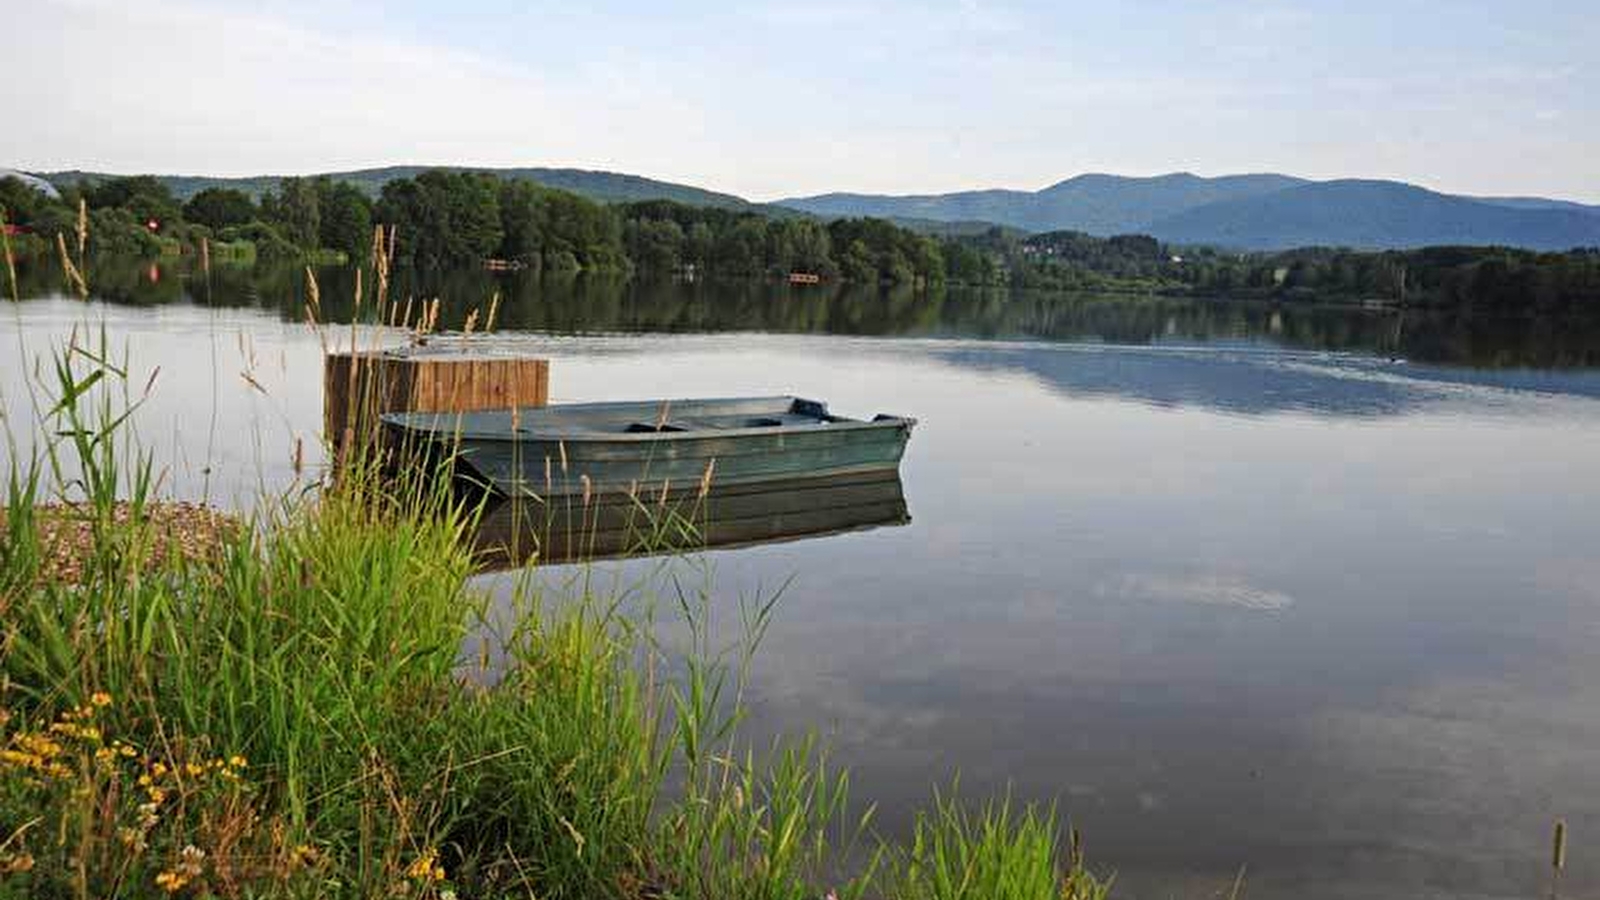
(404, 422)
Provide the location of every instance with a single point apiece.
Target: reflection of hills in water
(590, 305)
(1253, 380)
(570, 529)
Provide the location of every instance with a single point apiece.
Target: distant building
(33, 181)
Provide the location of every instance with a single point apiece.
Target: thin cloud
(778, 99)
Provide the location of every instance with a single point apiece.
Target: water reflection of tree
(588, 304)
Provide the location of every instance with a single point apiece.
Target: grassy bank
(286, 713)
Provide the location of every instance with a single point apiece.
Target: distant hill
(1097, 204)
(1538, 203)
(606, 187)
(1376, 214)
(1263, 211)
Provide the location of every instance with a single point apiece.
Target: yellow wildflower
(171, 882)
(426, 867)
(100, 698)
(238, 762)
(195, 770)
(87, 733)
(158, 768)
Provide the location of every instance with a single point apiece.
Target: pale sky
(792, 97)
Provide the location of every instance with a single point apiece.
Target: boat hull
(639, 447)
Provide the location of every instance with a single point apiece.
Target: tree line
(444, 219)
(1480, 278)
(460, 217)
(138, 216)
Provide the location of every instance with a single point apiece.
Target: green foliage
(660, 236)
(218, 208)
(346, 219)
(119, 232)
(995, 854)
(240, 252)
(1485, 279)
(268, 243)
(449, 218)
(144, 196)
(296, 211)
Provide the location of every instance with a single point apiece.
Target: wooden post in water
(358, 387)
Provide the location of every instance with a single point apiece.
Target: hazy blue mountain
(1095, 203)
(1539, 203)
(1373, 214)
(609, 187)
(1263, 211)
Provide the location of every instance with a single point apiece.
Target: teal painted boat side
(618, 447)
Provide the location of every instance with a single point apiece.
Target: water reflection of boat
(567, 528)
(587, 448)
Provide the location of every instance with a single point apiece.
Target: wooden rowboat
(596, 448)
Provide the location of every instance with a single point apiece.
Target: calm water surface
(1228, 596)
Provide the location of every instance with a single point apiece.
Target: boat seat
(714, 423)
(721, 423)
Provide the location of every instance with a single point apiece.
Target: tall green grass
(993, 853)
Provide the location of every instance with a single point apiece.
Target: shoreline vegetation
(455, 218)
(287, 709)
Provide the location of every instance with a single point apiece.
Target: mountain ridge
(1250, 211)
(1375, 214)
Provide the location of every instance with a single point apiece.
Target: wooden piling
(358, 387)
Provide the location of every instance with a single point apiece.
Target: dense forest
(446, 219)
(453, 218)
(1484, 278)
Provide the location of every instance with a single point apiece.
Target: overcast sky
(798, 97)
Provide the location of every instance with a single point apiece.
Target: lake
(1312, 591)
